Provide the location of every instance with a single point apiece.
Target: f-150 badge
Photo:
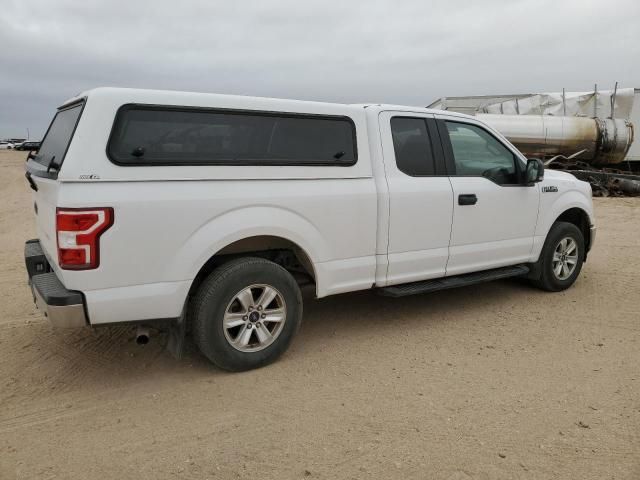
(549, 189)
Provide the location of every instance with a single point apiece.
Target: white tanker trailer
(595, 127)
(588, 133)
(598, 141)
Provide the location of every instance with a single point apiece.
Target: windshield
(56, 141)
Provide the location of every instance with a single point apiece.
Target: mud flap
(177, 335)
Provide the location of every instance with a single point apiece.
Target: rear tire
(246, 313)
(561, 259)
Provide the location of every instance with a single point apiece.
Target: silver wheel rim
(254, 318)
(565, 258)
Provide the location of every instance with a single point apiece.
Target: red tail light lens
(78, 231)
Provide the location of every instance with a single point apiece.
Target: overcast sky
(403, 51)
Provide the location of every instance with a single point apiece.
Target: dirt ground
(489, 382)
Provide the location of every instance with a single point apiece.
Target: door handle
(467, 199)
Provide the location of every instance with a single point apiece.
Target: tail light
(78, 231)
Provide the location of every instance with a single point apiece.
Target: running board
(444, 283)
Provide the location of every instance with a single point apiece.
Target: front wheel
(246, 313)
(561, 258)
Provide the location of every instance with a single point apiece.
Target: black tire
(219, 289)
(545, 278)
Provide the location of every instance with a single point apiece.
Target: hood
(559, 175)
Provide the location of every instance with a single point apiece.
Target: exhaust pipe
(142, 335)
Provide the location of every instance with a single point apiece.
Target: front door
(494, 213)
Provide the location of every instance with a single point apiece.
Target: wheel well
(580, 219)
(279, 250)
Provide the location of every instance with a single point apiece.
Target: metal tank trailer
(589, 134)
(597, 141)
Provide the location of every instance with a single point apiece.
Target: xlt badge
(551, 188)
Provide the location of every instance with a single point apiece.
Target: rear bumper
(64, 308)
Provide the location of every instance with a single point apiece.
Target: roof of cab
(122, 96)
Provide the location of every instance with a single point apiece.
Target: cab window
(478, 153)
(412, 146)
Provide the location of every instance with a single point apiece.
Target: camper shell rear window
(58, 137)
(163, 135)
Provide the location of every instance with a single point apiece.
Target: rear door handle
(467, 199)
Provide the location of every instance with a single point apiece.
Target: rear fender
(243, 223)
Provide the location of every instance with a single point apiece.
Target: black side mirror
(534, 172)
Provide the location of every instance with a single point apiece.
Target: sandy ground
(488, 382)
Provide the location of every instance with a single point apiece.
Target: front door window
(477, 153)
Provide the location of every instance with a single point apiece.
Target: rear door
(43, 168)
(494, 213)
(420, 197)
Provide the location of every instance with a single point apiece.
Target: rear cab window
(413, 146)
(58, 137)
(159, 135)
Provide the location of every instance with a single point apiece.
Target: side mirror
(534, 172)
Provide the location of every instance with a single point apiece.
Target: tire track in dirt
(45, 360)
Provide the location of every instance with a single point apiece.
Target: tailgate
(45, 200)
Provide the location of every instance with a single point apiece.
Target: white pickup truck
(209, 212)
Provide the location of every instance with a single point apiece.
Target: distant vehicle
(6, 146)
(28, 146)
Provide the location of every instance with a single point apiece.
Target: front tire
(246, 313)
(561, 259)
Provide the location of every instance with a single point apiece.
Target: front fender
(552, 207)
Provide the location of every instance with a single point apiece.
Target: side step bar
(453, 282)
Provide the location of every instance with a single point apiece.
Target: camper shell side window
(163, 135)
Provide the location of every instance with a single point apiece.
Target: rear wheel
(246, 313)
(561, 258)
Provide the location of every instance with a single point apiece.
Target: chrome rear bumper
(64, 308)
